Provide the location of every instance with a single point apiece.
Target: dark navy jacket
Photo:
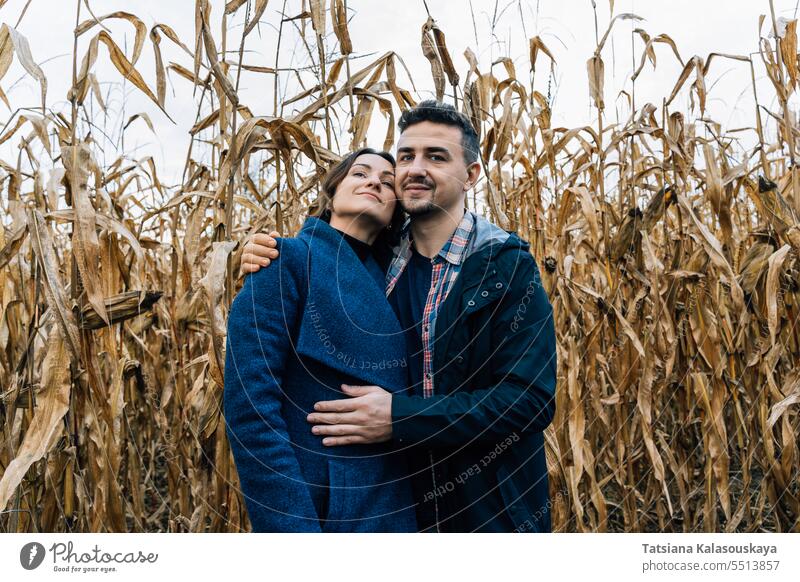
(318, 319)
(476, 447)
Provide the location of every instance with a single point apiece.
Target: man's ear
(473, 173)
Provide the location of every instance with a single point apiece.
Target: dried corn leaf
(46, 425)
(339, 18)
(213, 284)
(42, 244)
(23, 50)
(141, 30)
(78, 163)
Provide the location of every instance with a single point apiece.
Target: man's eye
(437, 157)
(405, 157)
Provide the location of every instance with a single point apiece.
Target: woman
(328, 325)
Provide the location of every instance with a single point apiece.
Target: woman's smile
(375, 196)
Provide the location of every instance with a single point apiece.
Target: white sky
(566, 26)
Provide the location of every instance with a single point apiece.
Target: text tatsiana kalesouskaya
(709, 549)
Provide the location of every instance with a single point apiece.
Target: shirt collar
(454, 249)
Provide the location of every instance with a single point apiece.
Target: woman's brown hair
(321, 207)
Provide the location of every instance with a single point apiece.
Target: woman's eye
(388, 184)
(361, 174)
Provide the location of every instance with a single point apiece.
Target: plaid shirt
(446, 266)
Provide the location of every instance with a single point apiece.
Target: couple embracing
(392, 368)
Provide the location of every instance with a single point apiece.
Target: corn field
(670, 255)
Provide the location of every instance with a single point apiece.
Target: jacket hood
(488, 234)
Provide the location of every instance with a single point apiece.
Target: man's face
(431, 174)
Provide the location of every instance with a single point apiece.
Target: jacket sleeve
(259, 325)
(522, 395)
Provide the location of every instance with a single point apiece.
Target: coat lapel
(347, 323)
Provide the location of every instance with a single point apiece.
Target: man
(481, 338)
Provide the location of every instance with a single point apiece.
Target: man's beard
(420, 208)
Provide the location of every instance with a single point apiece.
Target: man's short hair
(444, 113)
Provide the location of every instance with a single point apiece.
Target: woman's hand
(258, 252)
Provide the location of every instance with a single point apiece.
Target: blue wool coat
(314, 320)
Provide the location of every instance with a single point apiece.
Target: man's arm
(521, 398)
(258, 252)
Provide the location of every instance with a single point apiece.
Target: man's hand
(365, 418)
(258, 252)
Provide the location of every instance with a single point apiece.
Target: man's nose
(417, 168)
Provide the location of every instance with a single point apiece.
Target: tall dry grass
(670, 257)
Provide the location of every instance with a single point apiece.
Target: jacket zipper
(435, 500)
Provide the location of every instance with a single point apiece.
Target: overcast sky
(566, 26)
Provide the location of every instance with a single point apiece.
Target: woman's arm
(259, 326)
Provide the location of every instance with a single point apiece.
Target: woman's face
(367, 191)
